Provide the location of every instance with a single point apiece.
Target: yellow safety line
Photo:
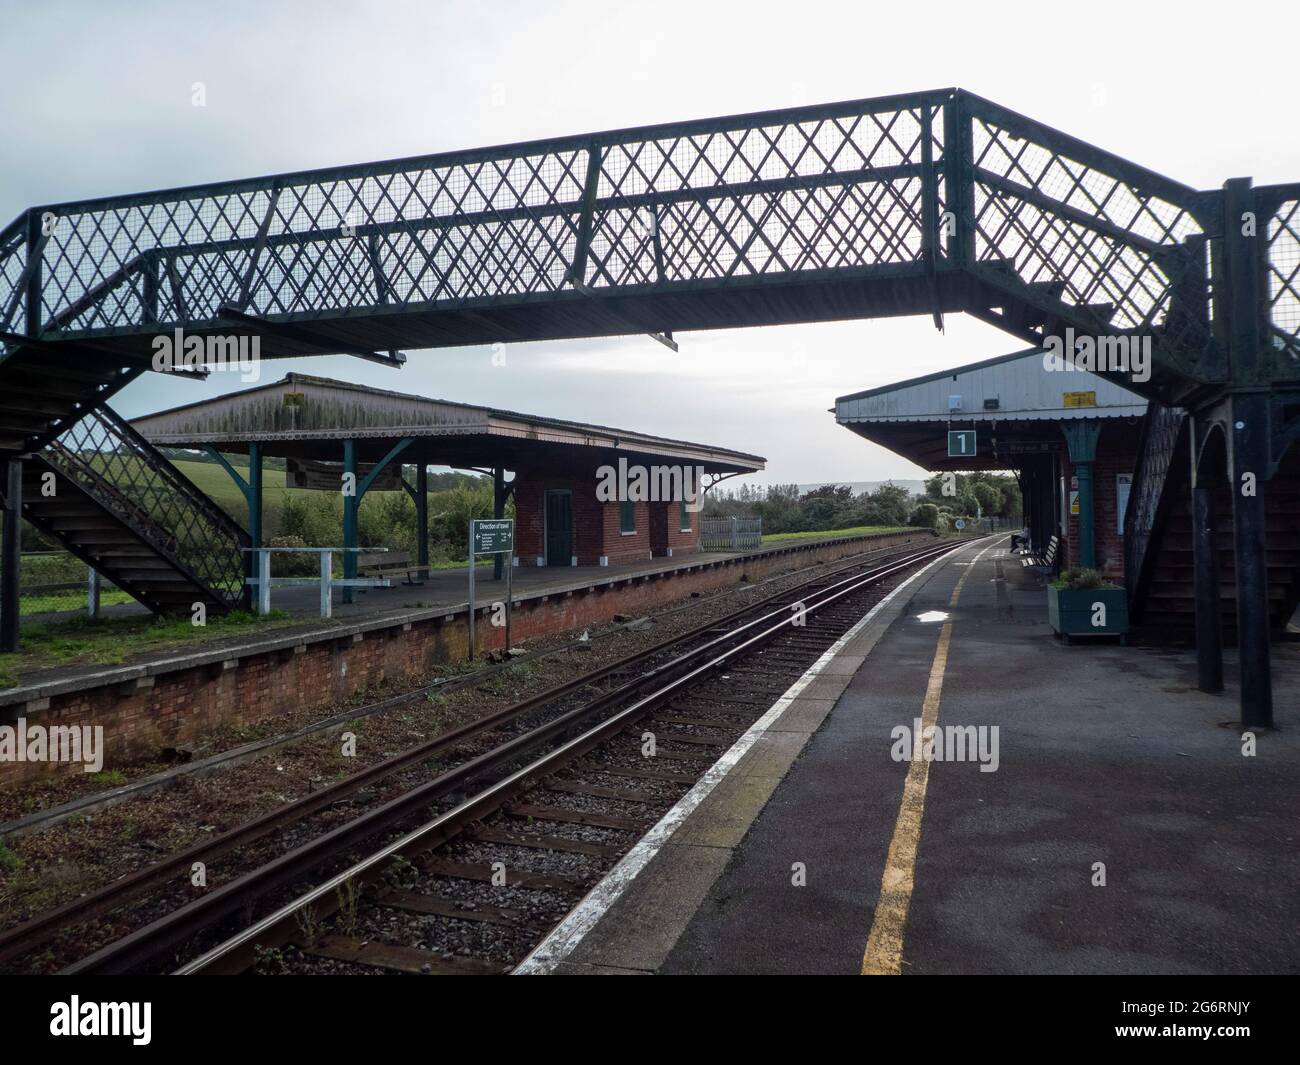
(884, 953)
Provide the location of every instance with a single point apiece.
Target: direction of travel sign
(961, 443)
(492, 536)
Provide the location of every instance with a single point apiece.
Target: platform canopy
(307, 417)
(1014, 405)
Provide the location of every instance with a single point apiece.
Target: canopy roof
(1014, 402)
(303, 416)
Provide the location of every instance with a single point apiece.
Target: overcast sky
(96, 100)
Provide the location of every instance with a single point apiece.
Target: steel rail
(236, 953)
(22, 938)
(176, 926)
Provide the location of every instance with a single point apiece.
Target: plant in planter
(1082, 602)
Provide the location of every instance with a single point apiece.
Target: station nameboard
(492, 536)
(961, 443)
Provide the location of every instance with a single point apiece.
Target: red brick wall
(529, 519)
(682, 542)
(619, 546)
(180, 707)
(592, 520)
(596, 526)
(530, 515)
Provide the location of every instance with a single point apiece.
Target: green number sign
(961, 443)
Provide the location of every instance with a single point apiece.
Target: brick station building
(327, 428)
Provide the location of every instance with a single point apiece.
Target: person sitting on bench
(1020, 539)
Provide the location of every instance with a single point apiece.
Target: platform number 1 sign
(961, 443)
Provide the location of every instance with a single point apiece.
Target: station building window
(684, 516)
(626, 516)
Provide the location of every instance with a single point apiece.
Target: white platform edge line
(566, 936)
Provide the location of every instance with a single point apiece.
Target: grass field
(216, 483)
(63, 601)
(108, 641)
(858, 530)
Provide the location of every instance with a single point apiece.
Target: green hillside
(216, 483)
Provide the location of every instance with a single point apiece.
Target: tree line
(947, 498)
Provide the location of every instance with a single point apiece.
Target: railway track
(549, 811)
(472, 890)
(293, 821)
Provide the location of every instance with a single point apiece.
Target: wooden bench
(379, 564)
(1047, 558)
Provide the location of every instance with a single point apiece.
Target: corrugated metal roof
(1022, 386)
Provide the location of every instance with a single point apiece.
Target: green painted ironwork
(941, 200)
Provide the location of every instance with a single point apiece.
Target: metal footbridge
(927, 203)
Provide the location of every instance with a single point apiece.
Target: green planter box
(1070, 611)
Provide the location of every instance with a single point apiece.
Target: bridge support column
(1248, 460)
(1250, 359)
(1081, 438)
(1205, 554)
(10, 554)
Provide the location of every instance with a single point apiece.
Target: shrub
(1078, 579)
(304, 565)
(926, 516)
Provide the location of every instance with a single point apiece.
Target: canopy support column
(352, 502)
(1081, 438)
(422, 520)
(499, 495)
(251, 490)
(351, 505)
(10, 552)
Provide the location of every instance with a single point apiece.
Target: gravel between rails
(498, 841)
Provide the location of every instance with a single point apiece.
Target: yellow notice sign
(1079, 399)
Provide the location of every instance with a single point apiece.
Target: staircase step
(88, 524)
(46, 407)
(150, 577)
(23, 422)
(43, 389)
(53, 369)
(118, 537)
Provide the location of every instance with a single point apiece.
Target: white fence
(730, 534)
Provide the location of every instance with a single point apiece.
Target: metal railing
(57, 582)
(918, 186)
(730, 534)
(126, 475)
(1164, 428)
(1282, 208)
(263, 582)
